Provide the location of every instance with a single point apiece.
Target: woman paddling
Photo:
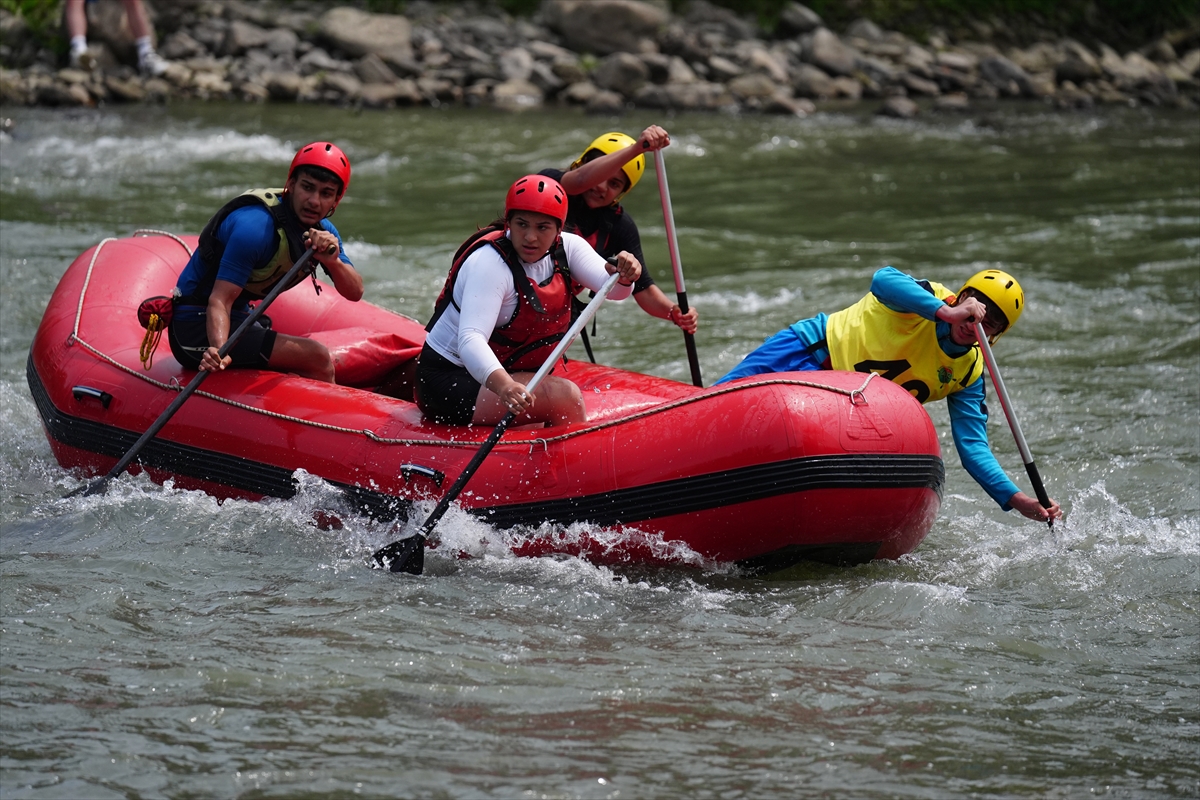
(595, 183)
(505, 304)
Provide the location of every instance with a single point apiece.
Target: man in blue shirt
(245, 250)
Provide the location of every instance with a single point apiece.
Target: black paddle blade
(88, 489)
(406, 555)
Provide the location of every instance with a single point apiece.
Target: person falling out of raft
(505, 305)
(921, 336)
(245, 250)
(595, 183)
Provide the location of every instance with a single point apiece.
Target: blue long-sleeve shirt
(968, 406)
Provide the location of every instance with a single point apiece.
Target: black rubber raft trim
(622, 506)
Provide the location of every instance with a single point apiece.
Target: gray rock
(516, 95)
(808, 81)
(899, 107)
(680, 72)
(962, 62)
(604, 26)
(621, 72)
(752, 85)
(781, 103)
(1072, 97)
(241, 36)
(605, 102)
(282, 42)
(684, 42)
(917, 85)
(825, 50)
(516, 64)
(371, 69)
(1190, 63)
(702, 95)
(435, 89)
(878, 70)
(579, 93)
(357, 33)
(53, 93)
(865, 29)
(723, 22)
(722, 69)
(1077, 64)
(283, 85)
(659, 65)
(849, 88)
(569, 71)
(211, 33)
(957, 102)
(758, 58)
(547, 51)
(1038, 57)
(795, 19)
(317, 60)
(179, 46)
(542, 76)
(342, 83)
(1004, 75)
(1160, 50)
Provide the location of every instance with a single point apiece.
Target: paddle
(1006, 404)
(664, 194)
(408, 555)
(100, 484)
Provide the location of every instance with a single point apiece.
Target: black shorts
(446, 392)
(189, 339)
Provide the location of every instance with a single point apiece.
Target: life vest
(289, 243)
(859, 335)
(543, 313)
(599, 238)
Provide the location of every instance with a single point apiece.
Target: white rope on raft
(856, 395)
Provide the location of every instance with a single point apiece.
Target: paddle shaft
(407, 555)
(1010, 414)
(664, 193)
(100, 484)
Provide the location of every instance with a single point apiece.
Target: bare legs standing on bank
(150, 63)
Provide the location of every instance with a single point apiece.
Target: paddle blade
(406, 555)
(88, 489)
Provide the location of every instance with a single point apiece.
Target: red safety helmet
(537, 193)
(327, 156)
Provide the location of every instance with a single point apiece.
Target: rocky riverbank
(603, 55)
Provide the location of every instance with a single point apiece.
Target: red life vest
(543, 313)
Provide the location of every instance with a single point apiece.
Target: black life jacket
(289, 231)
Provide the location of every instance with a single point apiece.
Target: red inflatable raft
(765, 472)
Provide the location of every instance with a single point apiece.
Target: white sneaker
(152, 65)
(83, 59)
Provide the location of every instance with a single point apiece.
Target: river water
(154, 643)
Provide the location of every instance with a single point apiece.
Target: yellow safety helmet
(1005, 296)
(610, 143)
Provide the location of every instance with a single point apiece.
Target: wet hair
(319, 174)
(994, 316)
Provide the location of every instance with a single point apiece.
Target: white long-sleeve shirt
(487, 297)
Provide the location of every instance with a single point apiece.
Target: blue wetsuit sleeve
(327, 225)
(904, 293)
(968, 425)
(250, 240)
